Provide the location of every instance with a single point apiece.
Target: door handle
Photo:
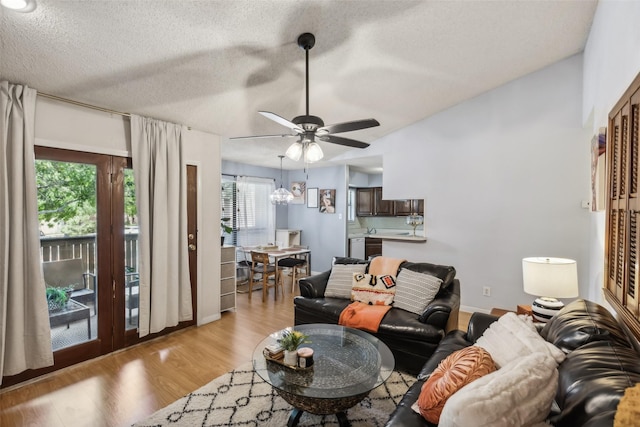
(192, 247)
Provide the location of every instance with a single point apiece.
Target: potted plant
(289, 341)
(224, 228)
(57, 297)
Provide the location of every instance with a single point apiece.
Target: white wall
(66, 126)
(611, 62)
(503, 176)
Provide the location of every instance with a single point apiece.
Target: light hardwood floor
(125, 387)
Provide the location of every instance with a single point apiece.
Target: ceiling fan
(309, 128)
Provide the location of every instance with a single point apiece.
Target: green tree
(63, 189)
(67, 196)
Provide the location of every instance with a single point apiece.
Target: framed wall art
(298, 190)
(328, 201)
(312, 197)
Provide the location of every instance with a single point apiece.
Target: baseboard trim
(471, 309)
(209, 319)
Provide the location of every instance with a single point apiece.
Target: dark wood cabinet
(364, 202)
(372, 246)
(408, 207)
(381, 207)
(369, 202)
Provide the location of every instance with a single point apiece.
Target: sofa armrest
(442, 312)
(478, 323)
(314, 286)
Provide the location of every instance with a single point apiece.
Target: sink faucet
(371, 230)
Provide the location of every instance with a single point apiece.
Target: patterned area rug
(242, 398)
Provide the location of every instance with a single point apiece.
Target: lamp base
(544, 308)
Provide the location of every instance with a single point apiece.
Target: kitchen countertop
(384, 235)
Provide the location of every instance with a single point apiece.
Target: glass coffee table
(348, 364)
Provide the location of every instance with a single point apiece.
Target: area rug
(242, 398)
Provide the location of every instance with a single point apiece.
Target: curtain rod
(248, 176)
(82, 104)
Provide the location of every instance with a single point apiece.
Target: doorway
(89, 247)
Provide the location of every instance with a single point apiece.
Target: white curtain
(160, 175)
(25, 336)
(256, 214)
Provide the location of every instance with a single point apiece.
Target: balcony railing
(84, 247)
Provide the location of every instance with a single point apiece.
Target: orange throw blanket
(385, 265)
(363, 316)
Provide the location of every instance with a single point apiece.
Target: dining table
(276, 253)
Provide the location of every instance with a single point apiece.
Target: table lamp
(548, 279)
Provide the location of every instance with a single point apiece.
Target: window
(245, 201)
(351, 205)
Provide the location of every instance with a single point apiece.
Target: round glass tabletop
(347, 362)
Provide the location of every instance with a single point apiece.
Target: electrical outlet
(486, 291)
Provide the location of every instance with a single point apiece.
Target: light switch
(339, 216)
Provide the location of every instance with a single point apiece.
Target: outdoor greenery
(57, 297)
(67, 196)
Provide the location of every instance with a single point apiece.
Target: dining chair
(261, 265)
(297, 265)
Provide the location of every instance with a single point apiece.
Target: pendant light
(281, 196)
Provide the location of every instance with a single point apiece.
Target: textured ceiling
(212, 65)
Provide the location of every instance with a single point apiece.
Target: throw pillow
(339, 284)
(414, 291)
(457, 370)
(519, 394)
(371, 289)
(511, 337)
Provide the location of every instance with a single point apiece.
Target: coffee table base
(320, 406)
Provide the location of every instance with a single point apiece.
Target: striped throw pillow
(415, 290)
(339, 284)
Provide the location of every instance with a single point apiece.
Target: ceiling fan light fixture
(294, 152)
(19, 5)
(313, 153)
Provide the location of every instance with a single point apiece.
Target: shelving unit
(228, 278)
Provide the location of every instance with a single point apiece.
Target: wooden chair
(297, 265)
(260, 265)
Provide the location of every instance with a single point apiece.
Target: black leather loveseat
(600, 364)
(412, 338)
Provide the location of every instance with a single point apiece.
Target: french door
(89, 247)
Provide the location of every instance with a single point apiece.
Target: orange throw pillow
(457, 370)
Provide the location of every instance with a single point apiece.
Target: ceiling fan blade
(343, 141)
(281, 120)
(349, 126)
(263, 136)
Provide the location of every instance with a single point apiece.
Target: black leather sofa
(412, 338)
(601, 363)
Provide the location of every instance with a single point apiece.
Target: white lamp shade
(550, 277)
(313, 153)
(294, 152)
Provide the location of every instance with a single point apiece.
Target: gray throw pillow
(415, 290)
(341, 278)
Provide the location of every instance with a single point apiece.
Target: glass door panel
(132, 278)
(67, 214)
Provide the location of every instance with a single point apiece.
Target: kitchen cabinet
(381, 207)
(369, 202)
(408, 207)
(372, 246)
(364, 202)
